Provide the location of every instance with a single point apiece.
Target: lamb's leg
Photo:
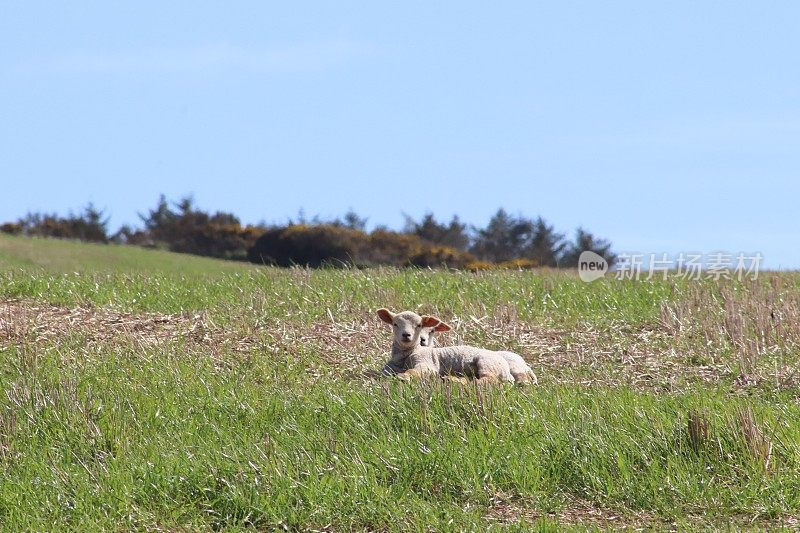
(487, 374)
(488, 379)
(455, 379)
(493, 370)
(416, 373)
(523, 375)
(525, 378)
(408, 375)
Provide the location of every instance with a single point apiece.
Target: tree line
(507, 241)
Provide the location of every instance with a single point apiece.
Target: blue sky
(665, 127)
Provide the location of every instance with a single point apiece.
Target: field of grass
(155, 391)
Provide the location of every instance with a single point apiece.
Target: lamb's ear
(435, 323)
(386, 315)
(442, 326)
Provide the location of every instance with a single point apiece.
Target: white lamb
(409, 359)
(426, 338)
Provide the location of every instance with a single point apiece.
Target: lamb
(409, 359)
(426, 338)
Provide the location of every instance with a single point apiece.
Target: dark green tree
(586, 241)
(429, 229)
(504, 238)
(351, 220)
(545, 245)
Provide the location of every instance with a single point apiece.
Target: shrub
(478, 265)
(306, 245)
(437, 256)
(190, 230)
(519, 264)
(87, 226)
(391, 248)
(12, 228)
(328, 244)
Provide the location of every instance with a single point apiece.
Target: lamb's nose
(406, 335)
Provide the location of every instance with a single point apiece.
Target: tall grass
(116, 429)
(158, 438)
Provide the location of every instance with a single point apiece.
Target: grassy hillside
(151, 390)
(54, 255)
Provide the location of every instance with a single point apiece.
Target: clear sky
(662, 126)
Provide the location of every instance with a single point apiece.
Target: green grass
(115, 430)
(63, 256)
(137, 279)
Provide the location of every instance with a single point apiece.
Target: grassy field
(155, 391)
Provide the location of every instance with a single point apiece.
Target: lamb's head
(409, 328)
(426, 336)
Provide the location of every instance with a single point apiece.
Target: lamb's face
(426, 336)
(407, 329)
(410, 329)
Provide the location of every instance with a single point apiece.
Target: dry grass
(36, 324)
(698, 429)
(758, 444)
(575, 512)
(581, 513)
(28, 321)
(752, 329)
